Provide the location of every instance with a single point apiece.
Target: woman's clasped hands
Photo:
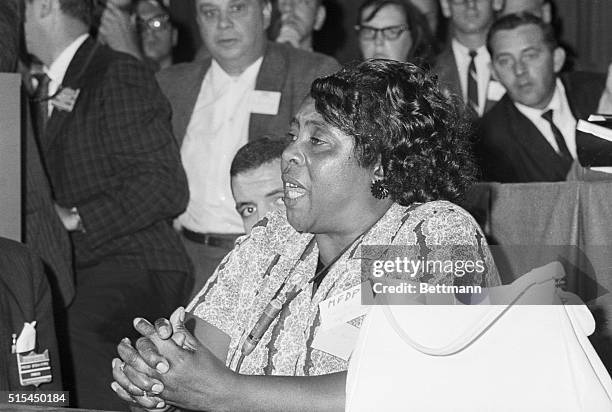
(169, 366)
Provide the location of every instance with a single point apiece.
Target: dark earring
(379, 189)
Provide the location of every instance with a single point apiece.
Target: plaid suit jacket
(114, 158)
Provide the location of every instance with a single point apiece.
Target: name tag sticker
(339, 341)
(342, 308)
(264, 102)
(495, 91)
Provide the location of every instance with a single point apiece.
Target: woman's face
(326, 190)
(381, 46)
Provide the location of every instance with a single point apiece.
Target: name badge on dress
(336, 335)
(265, 102)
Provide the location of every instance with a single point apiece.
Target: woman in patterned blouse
(376, 155)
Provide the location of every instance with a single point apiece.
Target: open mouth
(293, 191)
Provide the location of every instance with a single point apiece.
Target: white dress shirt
(481, 60)
(562, 118)
(219, 126)
(58, 68)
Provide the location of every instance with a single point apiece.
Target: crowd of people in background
(144, 172)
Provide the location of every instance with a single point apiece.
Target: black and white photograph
(306, 205)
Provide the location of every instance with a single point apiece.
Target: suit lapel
(447, 71)
(271, 77)
(185, 105)
(542, 157)
(74, 78)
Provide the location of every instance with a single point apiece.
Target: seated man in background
(256, 180)
(25, 297)
(299, 19)
(247, 89)
(530, 135)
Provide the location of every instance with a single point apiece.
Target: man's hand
(118, 31)
(70, 218)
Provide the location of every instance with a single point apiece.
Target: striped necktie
(472, 83)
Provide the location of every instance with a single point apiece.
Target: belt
(221, 240)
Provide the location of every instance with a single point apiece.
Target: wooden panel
(10, 156)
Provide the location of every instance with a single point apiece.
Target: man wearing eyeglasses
(157, 34)
(248, 88)
(463, 65)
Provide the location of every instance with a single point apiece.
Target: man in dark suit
(247, 89)
(43, 231)
(530, 135)
(25, 296)
(117, 182)
(463, 65)
(9, 35)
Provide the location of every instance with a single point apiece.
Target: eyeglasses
(388, 33)
(155, 23)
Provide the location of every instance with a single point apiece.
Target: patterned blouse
(275, 256)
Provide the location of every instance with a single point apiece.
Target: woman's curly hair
(396, 113)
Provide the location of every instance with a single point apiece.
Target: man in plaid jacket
(114, 167)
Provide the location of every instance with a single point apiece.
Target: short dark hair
(514, 20)
(256, 153)
(396, 113)
(81, 10)
(424, 45)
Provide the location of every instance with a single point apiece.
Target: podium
(10, 156)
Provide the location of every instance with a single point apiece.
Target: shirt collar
(461, 49)
(58, 68)
(249, 73)
(554, 104)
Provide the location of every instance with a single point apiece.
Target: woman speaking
(376, 156)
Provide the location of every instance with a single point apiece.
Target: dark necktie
(563, 150)
(40, 104)
(472, 83)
